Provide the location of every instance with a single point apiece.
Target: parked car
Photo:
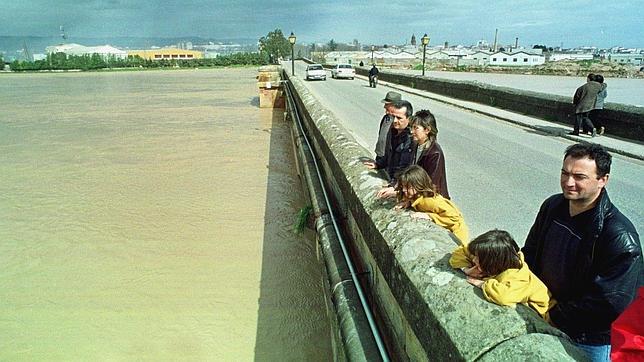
(315, 71)
(343, 71)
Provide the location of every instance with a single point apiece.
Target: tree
(274, 45)
(332, 45)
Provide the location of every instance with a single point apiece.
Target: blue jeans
(599, 353)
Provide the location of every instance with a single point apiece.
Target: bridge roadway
(498, 173)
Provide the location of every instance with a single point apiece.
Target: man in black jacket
(586, 252)
(398, 145)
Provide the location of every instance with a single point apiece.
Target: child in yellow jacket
(497, 267)
(415, 190)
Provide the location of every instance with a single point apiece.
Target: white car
(315, 71)
(343, 71)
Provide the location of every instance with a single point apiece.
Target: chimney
(446, 45)
(496, 34)
(516, 42)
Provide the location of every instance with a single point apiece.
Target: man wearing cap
(385, 124)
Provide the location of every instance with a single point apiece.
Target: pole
(424, 48)
(292, 61)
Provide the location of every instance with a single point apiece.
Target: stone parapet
(427, 309)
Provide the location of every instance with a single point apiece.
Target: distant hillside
(13, 45)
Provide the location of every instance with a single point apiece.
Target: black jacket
(608, 270)
(398, 153)
(373, 71)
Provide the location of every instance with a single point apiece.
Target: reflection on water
(134, 221)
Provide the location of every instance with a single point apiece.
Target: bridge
(500, 165)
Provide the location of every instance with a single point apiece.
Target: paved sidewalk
(621, 146)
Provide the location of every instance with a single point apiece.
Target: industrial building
(166, 53)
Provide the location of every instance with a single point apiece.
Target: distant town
(411, 54)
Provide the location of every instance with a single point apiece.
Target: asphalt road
(498, 173)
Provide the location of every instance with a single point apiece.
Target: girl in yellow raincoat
(415, 190)
(498, 268)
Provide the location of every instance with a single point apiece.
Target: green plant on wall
(302, 219)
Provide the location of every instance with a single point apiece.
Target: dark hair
(403, 103)
(416, 177)
(593, 151)
(599, 78)
(497, 251)
(591, 76)
(426, 119)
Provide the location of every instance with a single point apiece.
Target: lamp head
(425, 39)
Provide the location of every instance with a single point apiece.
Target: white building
(104, 51)
(570, 56)
(518, 59)
(626, 58)
(478, 58)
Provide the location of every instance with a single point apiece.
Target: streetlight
(372, 49)
(425, 40)
(291, 39)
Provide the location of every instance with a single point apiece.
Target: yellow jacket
(518, 286)
(444, 213)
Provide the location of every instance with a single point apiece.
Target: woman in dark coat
(428, 153)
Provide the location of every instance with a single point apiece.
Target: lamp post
(372, 49)
(425, 41)
(291, 39)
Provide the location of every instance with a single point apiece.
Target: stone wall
(622, 120)
(427, 309)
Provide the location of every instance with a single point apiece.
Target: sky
(550, 22)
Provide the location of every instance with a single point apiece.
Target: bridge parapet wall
(428, 310)
(620, 119)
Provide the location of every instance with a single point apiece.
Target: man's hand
(370, 164)
(386, 193)
(475, 282)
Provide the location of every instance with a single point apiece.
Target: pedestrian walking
(584, 102)
(599, 104)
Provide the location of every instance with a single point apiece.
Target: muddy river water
(148, 215)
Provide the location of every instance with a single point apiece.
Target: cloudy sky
(550, 22)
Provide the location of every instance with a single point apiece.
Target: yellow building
(166, 53)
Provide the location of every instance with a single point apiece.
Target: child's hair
(497, 251)
(416, 177)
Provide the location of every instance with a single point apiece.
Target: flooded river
(148, 216)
